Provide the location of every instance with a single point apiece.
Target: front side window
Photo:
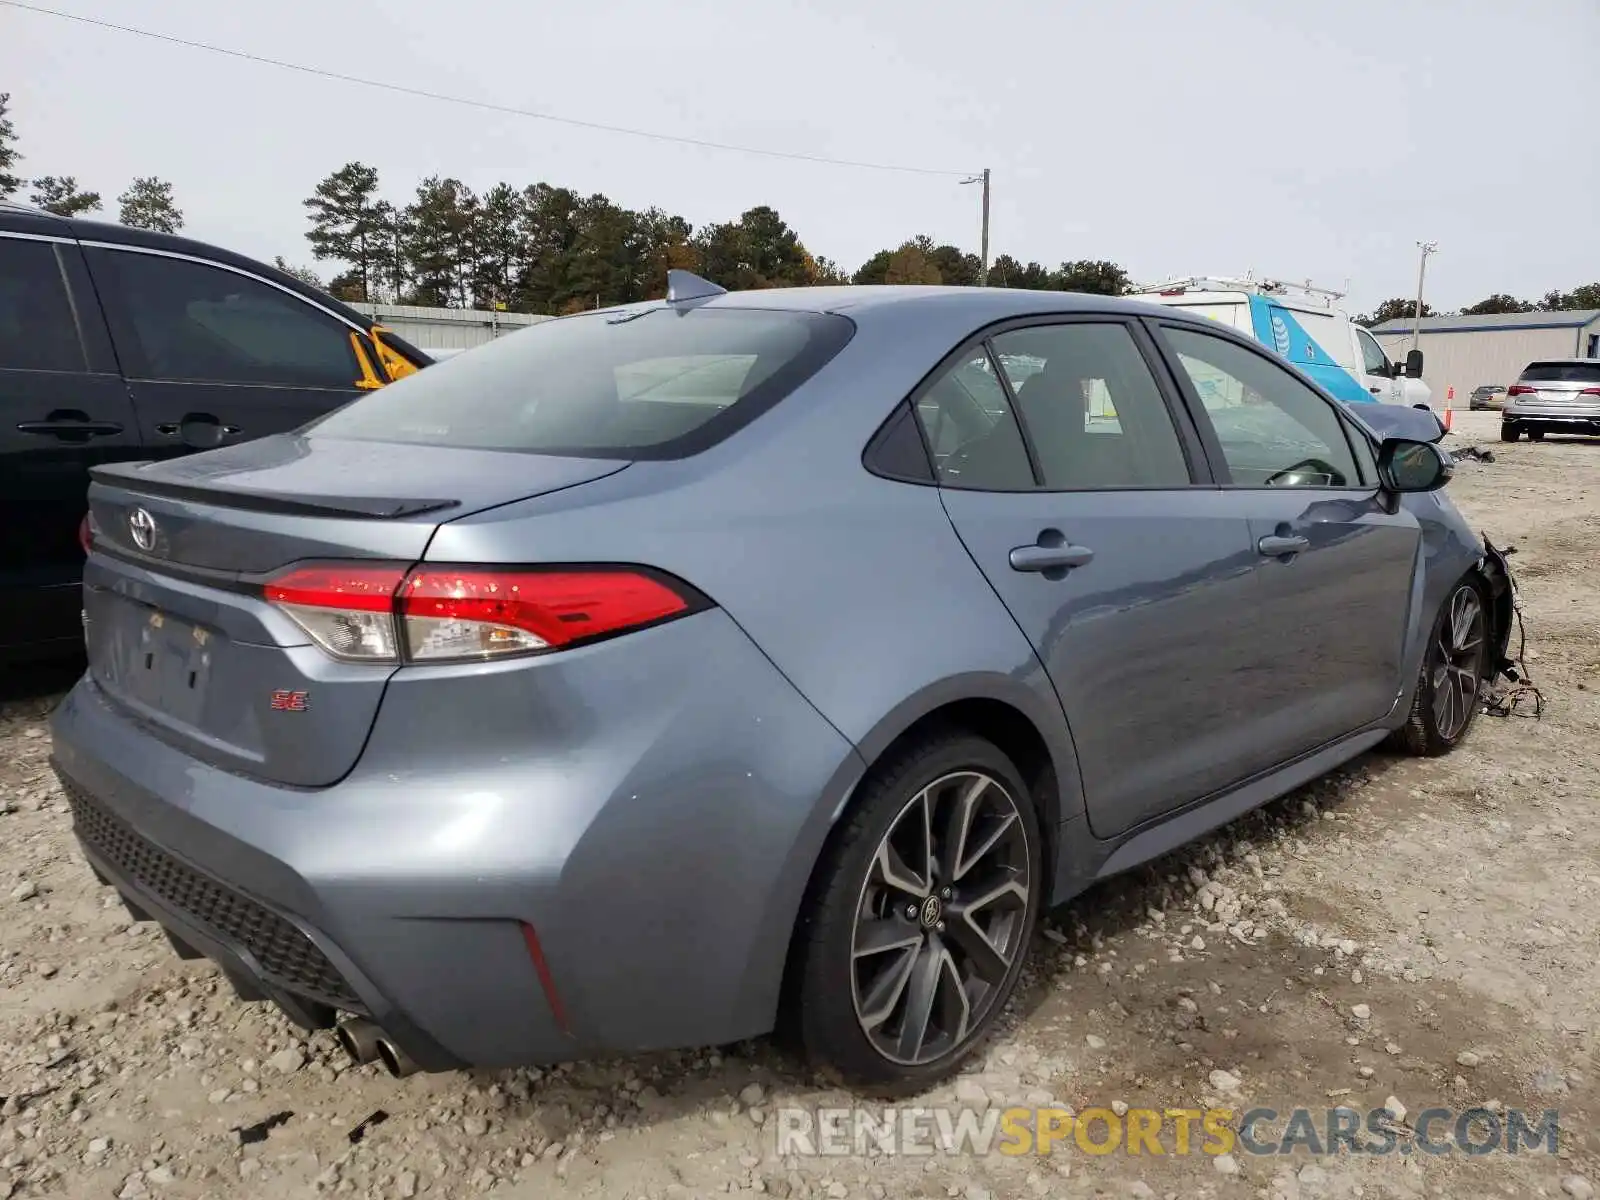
(1373, 358)
(971, 430)
(657, 382)
(1275, 430)
(1091, 408)
(37, 331)
(196, 323)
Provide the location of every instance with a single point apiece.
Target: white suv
(1554, 395)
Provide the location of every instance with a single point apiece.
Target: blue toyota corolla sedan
(655, 673)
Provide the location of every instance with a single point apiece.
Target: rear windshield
(652, 383)
(1561, 372)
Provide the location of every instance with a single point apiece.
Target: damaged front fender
(1496, 571)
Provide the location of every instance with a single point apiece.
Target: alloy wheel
(940, 920)
(1457, 671)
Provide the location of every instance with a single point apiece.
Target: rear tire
(1509, 433)
(1450, 685)
(921, 914)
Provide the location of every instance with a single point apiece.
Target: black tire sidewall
(1437, 742)
(827, 1019)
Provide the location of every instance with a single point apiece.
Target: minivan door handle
(1052, 553)
(1280, 547)
(174, 428)
(70, 430)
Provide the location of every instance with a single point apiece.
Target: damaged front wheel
(1450, 687)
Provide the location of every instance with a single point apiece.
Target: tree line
(147, 203)
(547, 249)
(1586, 296)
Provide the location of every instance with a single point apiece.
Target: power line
(485, 105)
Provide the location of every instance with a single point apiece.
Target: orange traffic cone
(1447, 422)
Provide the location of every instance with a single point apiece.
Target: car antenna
(686, 285)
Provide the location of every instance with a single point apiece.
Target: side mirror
(1405, 465)
(1414, 364)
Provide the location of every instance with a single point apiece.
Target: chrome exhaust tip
(359, 1038)
(395, 1060)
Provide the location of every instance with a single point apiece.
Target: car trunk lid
(177, 626)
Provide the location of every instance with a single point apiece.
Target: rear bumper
(659, 855)
(1552, 416)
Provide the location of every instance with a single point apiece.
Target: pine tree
(345, 224)
(147, 204)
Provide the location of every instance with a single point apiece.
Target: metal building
(447, 328)
(1468, 352)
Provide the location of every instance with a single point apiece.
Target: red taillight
(348, 609)
(355, 588)
(85, 533)
(1590, 392)
(367, 613)
(1520, 389)
(456, 613)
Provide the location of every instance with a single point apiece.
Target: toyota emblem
(142, 527)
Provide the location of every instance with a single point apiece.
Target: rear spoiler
(126, 476)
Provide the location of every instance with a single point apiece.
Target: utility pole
(983, 271)
(1427, 248)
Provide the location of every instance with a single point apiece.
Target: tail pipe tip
(395, 1060)
(360, 1039)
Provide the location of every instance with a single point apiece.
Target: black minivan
(119, 343)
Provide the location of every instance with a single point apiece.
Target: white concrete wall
(447, 328)
(1472, 358)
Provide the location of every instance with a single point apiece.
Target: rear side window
(195, 323)
(1091, 407)
(37, 330)
(968, 423)
(1560, 372)
(657, 383)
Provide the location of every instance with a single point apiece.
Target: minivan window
(196, 323)
(1562, 372)
(658, 383)
(37, 332)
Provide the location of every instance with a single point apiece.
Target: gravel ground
(1405, 932)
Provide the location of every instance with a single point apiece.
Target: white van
(1303, 325)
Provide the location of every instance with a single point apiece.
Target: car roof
(1563, 362)
(983, 305)
(26, 219)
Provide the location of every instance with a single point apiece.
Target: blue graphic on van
(1276, 327)
(1280, 335)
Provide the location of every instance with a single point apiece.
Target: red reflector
(85, 534)
(557, 607)
(546, 980)
(353, 588)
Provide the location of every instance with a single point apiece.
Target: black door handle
(70, 430)
(1282, 547)
(174, 428)
(1375, 391)
(1052, 554)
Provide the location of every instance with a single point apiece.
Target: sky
(1298, 139)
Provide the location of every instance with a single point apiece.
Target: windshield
(1561, 372)
(652, 383)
